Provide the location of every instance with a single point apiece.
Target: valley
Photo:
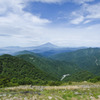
(68, 75)
(49, 49)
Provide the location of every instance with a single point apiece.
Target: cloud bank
(21, 28)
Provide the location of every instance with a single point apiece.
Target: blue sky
(70, 23)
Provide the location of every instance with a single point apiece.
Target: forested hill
(28, 67)
(87, 59)
(80, 76)
(53, 67)
(14, 67)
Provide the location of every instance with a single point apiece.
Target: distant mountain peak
(48, 44)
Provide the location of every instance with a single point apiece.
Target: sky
(70, 23)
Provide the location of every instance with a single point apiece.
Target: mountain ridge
(18, 68)
(46, 49)
(88, 59)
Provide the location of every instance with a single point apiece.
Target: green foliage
(87, 59)
(52, 67)
(18, 71)
(79, 76)
(95, 79)
(37, 70)
(54, 83)
(59, 68)
(4, 81)
(70, 83)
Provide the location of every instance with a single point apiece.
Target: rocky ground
(83, 91)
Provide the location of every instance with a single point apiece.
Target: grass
(75, 91)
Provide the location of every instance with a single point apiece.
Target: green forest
(16, 71)
(27, 68)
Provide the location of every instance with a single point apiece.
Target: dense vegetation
(30, 68)
(95, 79)
(59, 68)
(53, 67)
(16, 70)
(86, 59)
(80, 76)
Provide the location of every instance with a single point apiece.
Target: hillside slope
(87, 59)
(53, 67)
(79, 76)
(15, 67)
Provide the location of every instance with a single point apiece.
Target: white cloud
(13, 14)
(61, 1)
(82, 1)
(93, 11)
(49, 1)
(87, 21)
(11, 5)
(14, 9)
(72, 37)
(86, 14)
(77, 20)
(18, 27)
